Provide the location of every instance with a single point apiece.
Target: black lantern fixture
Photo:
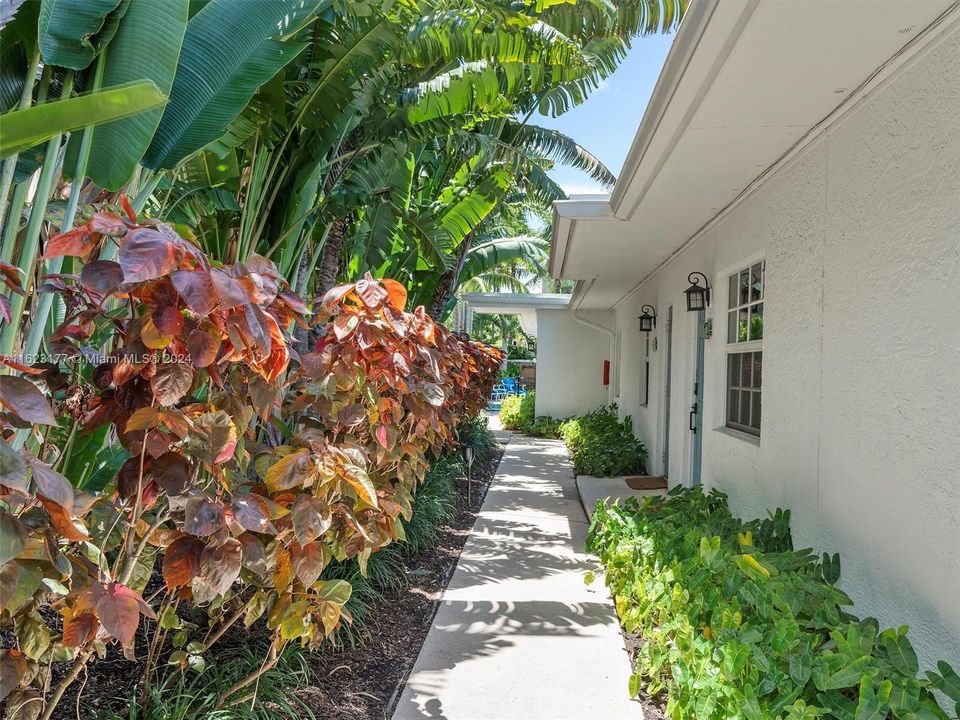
(648, 321)
(698, 296)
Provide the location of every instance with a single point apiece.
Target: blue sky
(606, 123)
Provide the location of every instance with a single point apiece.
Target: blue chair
(510, 385)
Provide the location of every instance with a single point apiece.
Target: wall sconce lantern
(698, 296)
(648, 321)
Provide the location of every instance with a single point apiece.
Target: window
(745, 356)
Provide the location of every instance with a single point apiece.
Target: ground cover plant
(601, 444)
(245, 474)
(736, 623)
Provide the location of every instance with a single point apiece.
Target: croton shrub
(249, 465)
(736, 623)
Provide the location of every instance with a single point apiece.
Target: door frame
(665, 458)
(695, 424)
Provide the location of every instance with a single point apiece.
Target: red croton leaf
(172, 381)
(308, 561)
(79, 629)
(220, 565)
(311, 518)
(254, 554)
(101, 276)
(220, 434)
(371, 292)
(252, 513)
(10, 276)
(203, 347)
(203, 516)
(128, 208)
(233, 291)
(181, 561)
(79, 242)
(197, 290)
(351, 415)
(169, 320)
(386, 435)
(61, 520)
(344, 325)
(147, 253)
(288, 472)
(396, 293)
(24, 399)
(336, 294)
(146, 418)
(118, 609)
(108, 223)
(51, 484)
(172, 472)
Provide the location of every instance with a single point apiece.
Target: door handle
(693, 417)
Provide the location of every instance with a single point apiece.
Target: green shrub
(475, 433)
(738, 624)
(544, 426)
(603, 445)
(512, 370)
(517, 410)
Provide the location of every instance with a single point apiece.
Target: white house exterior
(814, 146)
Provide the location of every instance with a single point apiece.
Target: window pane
(747, 365)
(757, 368)
(742, 324)
(756, 321)
(732, 326)
(755, 417)
(733, 407)
(745, 407)
(733, 362)
(744, 287)
(732, 292)
(756, 282)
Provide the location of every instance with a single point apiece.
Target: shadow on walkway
(518, 635)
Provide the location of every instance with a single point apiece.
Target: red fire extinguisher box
(606, 372)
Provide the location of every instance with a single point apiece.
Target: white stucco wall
(570, 359)
(861, 375)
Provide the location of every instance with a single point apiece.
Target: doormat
(646, 482)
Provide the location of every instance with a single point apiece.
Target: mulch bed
(364, 683)
(359, 683)
(653, 705)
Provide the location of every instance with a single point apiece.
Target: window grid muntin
(745, 293)
(744, 379)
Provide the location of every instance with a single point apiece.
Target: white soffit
(744, 82)
(523, 305)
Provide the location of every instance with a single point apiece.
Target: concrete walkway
(518, 636)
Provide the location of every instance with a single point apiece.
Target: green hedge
(738, 624)
(603, 445)
(517, 410)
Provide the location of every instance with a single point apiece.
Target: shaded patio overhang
(746, 85)
(524, 305)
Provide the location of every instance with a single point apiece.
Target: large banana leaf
(13, 66)
(349, 55)
(229, 50)
(22, 129)
(67, 27)
(486, 256)
(146, 47)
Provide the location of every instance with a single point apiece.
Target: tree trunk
(330, 258)
(448, 282)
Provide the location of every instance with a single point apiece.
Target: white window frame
(750, 347)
